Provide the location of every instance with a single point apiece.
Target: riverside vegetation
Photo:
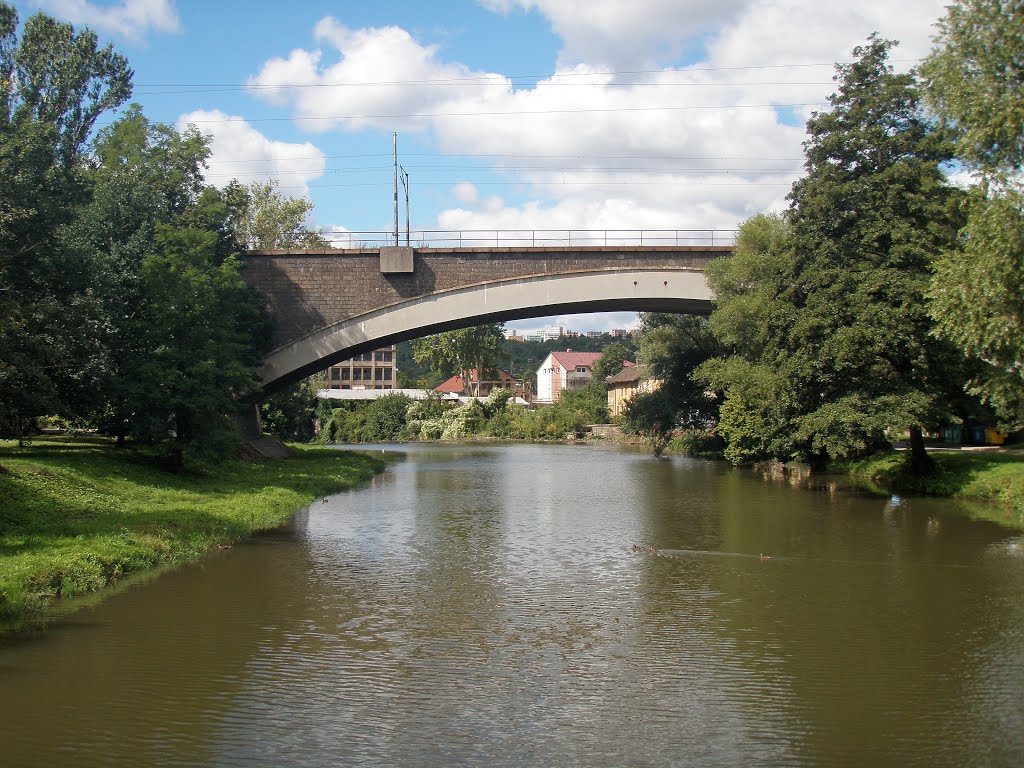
(79, 514)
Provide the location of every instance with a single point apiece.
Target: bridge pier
(248, 420)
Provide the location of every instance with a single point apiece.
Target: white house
(564, 370)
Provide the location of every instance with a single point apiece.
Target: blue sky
(511, 114)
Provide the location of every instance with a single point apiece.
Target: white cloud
(239, 151)
(466, 193)
(702, 146)
(625, 35)
(382, 73)
(130, 19)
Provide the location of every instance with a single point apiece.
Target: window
(387, 374)
(367, 376)
(357, 374)
(378, 374)
(335, 374)
(346, 373)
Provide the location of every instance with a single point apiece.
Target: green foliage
(290, 414)
(579, 407)
(458, 352)
(344, 424)
(976, 83)
(385, 418)
(975, 80)
(263, 218)
(54, 85)
(653, 416)
(977, 299)
(612, 360)
(671, 349)
(122, 300)
(59, 78)
(826, 308)
(756, 416)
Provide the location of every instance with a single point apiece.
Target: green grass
(79, 514)
(992, 477)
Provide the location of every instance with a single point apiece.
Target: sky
(677, 117)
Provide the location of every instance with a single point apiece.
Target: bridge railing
(532, 238)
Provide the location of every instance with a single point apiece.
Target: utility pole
(405, 183)
(396, 186)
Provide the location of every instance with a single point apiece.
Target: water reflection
(502, 605)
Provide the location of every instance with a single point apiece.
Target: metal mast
(396, 186)
(405, 183)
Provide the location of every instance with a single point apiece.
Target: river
(525, 605)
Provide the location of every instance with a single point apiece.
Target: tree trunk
(920, 462)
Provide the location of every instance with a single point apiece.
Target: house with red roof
(564, 370)
(495, 378)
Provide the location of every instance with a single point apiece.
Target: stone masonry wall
(308, 290)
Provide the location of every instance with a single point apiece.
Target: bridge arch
(680, 289)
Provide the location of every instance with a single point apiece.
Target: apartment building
(370, 370)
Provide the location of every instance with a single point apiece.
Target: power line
(491, 77)
(583, 110)
(537, 169)
(607, 86)
(650, 158)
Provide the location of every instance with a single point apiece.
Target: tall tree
(612, 360)
(54, 85)
(975, 81)
(671, 348)
(847, 350)
(476, 348)
(263, 217)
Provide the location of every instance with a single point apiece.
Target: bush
(385, 418)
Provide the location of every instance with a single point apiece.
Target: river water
(502, 606)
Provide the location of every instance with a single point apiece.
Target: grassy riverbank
(77, 515)
(995, 477)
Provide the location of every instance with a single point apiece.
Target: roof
(455, 384)
(570, 360)
(369, 394)
(629, 374)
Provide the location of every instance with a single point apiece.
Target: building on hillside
(630, 381)
(496, 378)
(564, 370)
(595, 334)
(370, 370)
(621, 333)
(552, 332)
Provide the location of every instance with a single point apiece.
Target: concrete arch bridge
(332, 304)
